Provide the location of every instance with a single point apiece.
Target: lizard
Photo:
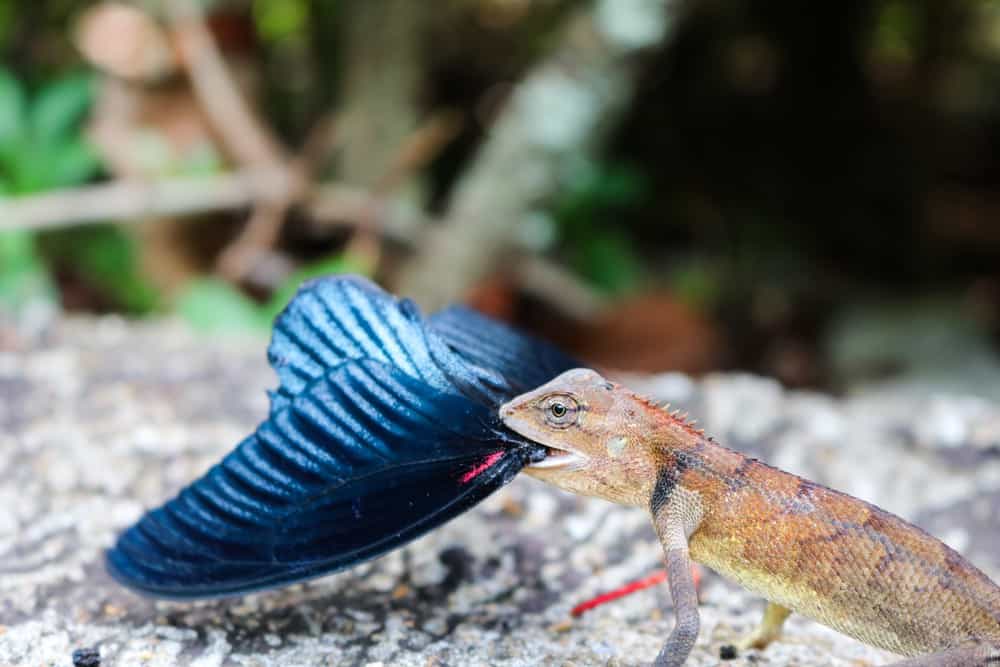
(802, 546)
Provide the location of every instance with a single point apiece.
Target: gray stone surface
(100, 419)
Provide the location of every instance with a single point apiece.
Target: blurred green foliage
(105, 258)
(213, 305)
(698, 282)
(280, 20)
(41, 146)
(7, 10)
(898, 30)
(23, 275)
(590, 234)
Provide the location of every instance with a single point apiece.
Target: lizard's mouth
(559, 458)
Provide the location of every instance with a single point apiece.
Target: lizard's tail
(979, 655)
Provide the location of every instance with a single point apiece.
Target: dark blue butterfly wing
(523, 362)
(363, 461)
(383, 427)
(337, 319)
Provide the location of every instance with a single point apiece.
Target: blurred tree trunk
(557, 116)
(382, 41)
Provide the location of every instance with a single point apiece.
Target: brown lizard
(804, 547)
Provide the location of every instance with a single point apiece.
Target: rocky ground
(100, 419)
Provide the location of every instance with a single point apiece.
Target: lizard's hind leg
(981, 655)
(769, 628)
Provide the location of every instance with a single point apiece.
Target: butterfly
(384, 425)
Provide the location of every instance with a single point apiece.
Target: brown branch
(320, 142)
(556, 285)
(247, 139)
(421, 147)
(333, 204)
(128, 200)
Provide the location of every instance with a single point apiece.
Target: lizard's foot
(757, 639)
(768, 630)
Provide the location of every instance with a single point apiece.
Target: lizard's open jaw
(512, 415)
(559, 458)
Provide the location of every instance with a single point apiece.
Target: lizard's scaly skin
(816, 551)
(832, 557)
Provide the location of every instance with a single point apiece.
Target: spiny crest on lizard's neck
(676, 417)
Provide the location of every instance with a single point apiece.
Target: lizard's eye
(560, 411)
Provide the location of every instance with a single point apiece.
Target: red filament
(656, 578)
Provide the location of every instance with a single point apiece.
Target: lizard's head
(597, 434)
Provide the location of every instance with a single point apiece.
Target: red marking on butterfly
(487, 462)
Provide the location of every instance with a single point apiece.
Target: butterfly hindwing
(306, 494)
(523, 362)
(337, 319)
(384, 425)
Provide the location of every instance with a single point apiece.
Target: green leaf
(73, 162)
(106, 257)
(609, 262)
(898, 30)
(698, 283)
(592, 190)
(8, 22)
(338, 264)
(46, 166)
(620, 185)
(11, 108)
(23, 278)
(29, 166)
(17, 290)
(60, 107)
(214, 305)
(278, 20)
(17, 252)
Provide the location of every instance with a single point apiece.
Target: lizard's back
(835, 558)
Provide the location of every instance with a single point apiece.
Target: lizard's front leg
(675, 518)
(685, 597)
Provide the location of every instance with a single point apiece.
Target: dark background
(804, 190)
